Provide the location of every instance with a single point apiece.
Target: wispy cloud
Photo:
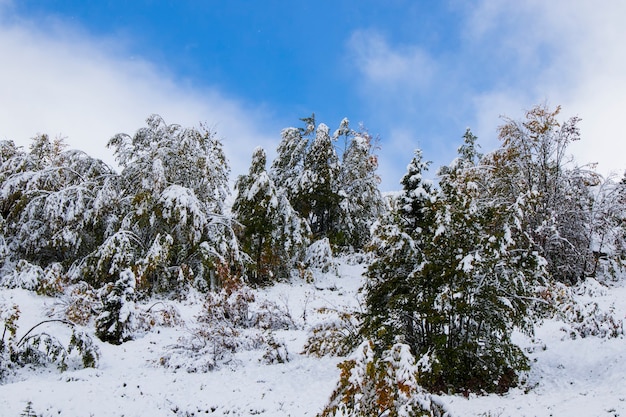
(57, 79)
(573, 56)
(508, 56)
(395, 81)
(396, 68)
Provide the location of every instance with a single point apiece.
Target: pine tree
(360, 200)
(116, 321)
(273, 234)
(397, 245)
(417, 195)
(254, 208)
(318, 184)
(452, 278)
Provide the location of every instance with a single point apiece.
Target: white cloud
(394, 81)
(507, 57)
(573, 55)
(390, 67)
(60, 81)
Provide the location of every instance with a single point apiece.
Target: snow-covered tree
(174, 182)
(532, 163)
(360, 200)
(417, 195)
(454, 286)
(318, 184)
(339, 201)
(286, 169)
(273, 234)
(607, 228)
(379, 385)
(398, 247)
(116, 321)
(51, 202)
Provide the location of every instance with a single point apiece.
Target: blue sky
(415, 73)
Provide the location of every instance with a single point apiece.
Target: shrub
(41, 348)
(117, 319)
(372, 385)
(336, 336)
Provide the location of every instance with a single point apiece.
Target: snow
(568, 377)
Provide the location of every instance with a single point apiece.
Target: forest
(456, 263)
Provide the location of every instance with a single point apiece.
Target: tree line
(456, 264)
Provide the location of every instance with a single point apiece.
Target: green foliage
(116, 320)
(319, 198)
(373, 385)
(88, 351)
(50, 202)
(9, 316)
(452, 277)
(41, 348)
(339, 201)
(360, 202)
(336, 336)
(272, 233)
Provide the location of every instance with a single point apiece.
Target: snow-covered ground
(569, 377)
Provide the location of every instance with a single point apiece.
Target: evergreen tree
(287, 168)
(360, 200)
(452, 278)
(339, 201)
(417, 195)
(273, 235)
(116, 320)
(318, 184)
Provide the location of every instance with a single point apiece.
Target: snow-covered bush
(158, 314)
(270, 316)
(588, 319)
(50, 280)
(206, 349)
(41, 348)
(230, 322)
(25, 275)
(582, 316)
(53, 281)
(220, 333)
(275, 351)
(9, 316)
(336, 336)
(78, 305)
(117, 319)
(229, 306)
(319, 256)
(372, 385)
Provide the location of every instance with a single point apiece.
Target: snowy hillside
(568, 377)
